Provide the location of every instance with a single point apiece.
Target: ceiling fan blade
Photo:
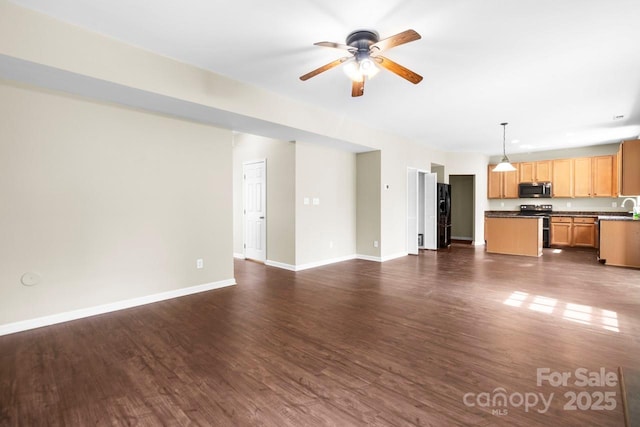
(334, 45)
(398, 69)
(357, 88)
(398, 39)
(324, 68)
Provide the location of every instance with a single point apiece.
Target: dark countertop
(509, 214)
(622, 216)
(616, 218)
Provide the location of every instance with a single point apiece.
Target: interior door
(255, 236)
(431, 211)
(412, 211)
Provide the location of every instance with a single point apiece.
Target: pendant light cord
(504, 137)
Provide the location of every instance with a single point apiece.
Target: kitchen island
(619, 241)
(513, 234)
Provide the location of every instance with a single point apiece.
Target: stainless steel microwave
(529, 190)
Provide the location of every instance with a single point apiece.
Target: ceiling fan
(365, 48)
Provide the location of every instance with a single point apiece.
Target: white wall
(280, 160)
(326, 231)
(106, 203)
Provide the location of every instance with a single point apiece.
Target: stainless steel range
(545, 212)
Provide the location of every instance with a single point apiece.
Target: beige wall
(106, 203)
(280, 159)
(326, 231)
(368, 203)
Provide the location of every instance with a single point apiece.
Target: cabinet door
(603, 173)
(543, 171)
(582, 177)
(527, 172)
(561, 233)
(510, 184)
(494, 183)
(584, 235)
(562, 178)
(630, 172)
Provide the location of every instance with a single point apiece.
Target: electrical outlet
(568, 204)
(331, 244)
(502, 204)
(199, 263)
(375, 243)
(614, 204)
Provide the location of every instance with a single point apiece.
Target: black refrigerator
(444, 215)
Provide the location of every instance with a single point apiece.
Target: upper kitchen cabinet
(582, 177)
(502, 185)
(594, 176)
(562, 178)
(535, 171)
(604, 176)
(629, 169)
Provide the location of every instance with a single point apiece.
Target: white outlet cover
(568, 204)
(305, 200)
(614, 204)
(199, 263)
(316, 201)
(375, 243)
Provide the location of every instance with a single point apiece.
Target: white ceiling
(557, 70)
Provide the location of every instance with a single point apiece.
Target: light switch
(305, 200)
(316, 201)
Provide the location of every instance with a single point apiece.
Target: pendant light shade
(504, 165)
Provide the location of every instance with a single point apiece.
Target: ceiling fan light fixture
(368, 68)
(504, 165)
(352, 70)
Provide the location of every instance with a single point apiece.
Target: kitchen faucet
(635, 209)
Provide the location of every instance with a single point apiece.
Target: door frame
(244, 207)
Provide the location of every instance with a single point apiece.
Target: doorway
(421, 211)
(462, 207)
(255, 210)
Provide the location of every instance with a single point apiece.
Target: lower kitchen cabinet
(561, 231)
(584, 232)
(573, 231)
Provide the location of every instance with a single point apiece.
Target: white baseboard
(280, 265)
(324, 262)
(394, 256)
(238, 255)
(10, 328)
(369, 258)
(478, 243)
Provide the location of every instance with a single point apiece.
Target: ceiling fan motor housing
(362, 40)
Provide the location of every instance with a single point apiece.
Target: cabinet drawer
(560, 219)
(584, 220)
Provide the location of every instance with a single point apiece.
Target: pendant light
(504, 165)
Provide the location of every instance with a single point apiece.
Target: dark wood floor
(355, 343)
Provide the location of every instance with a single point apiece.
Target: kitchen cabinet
(629, 172)
(620, 243)
(604, 176)
(562, 181)
(584, 232)
(582, 177)
(502, 185)
(568, 231)
(535, 171)
(561, 231)
(514, 235)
